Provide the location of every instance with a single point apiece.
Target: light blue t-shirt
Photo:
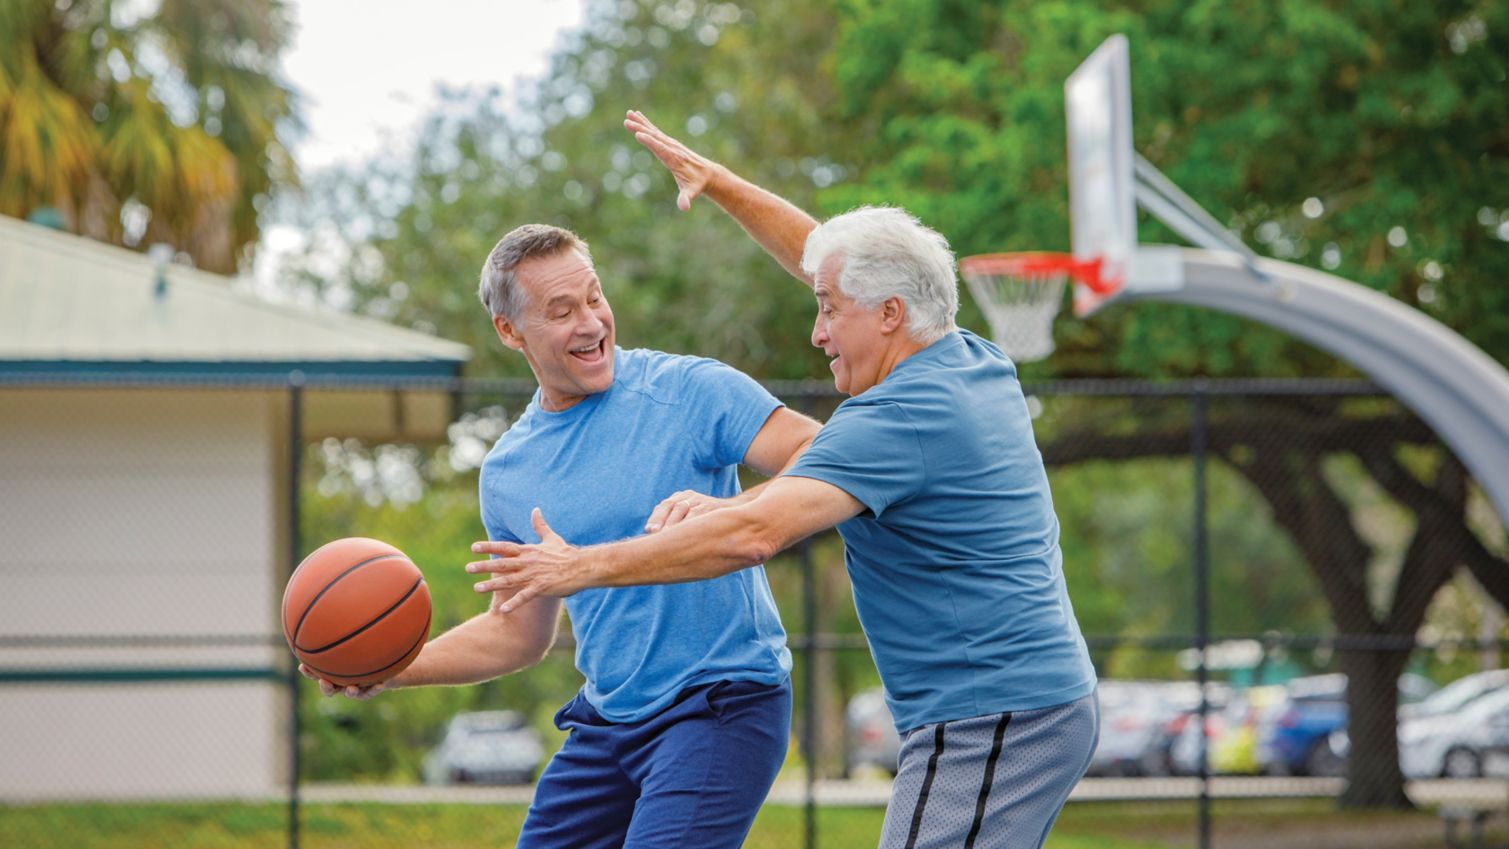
(596, 470)
(955, 563)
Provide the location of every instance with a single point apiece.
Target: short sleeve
(870, 451)
(497, 528)
(730, 408)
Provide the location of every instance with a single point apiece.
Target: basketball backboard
(1102, 201)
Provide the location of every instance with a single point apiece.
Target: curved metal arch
(1453, 386)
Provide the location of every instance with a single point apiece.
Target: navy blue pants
(693, 775)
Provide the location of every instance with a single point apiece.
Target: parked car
(1180, 732)
(1230, 732)
(485, 747)
(873, 741)
(1457, 744)
(1299, 735)
(1454, 696)
(1137, 722)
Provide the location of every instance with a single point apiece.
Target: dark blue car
(1302, 733)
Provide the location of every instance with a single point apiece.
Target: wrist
(719, 181)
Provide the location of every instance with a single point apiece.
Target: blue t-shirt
(955, 563)
(596, 471)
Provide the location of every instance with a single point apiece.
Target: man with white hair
(932, 476)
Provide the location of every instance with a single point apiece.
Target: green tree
(1368, 140)
(141, 125)
(408, 237)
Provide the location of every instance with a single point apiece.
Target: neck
(897, 353)
(552, 403)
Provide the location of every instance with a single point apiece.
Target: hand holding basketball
(356, 613)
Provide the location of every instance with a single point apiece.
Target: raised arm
(773, 222)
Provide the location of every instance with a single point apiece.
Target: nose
(819, 332)
(591, 325)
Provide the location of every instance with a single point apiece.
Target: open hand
(692, 170)
(552, 568)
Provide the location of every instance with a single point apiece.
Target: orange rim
(1025, 264)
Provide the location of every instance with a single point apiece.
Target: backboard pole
(1168, 203)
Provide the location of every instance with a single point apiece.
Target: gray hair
(499, 289)
(889, 253)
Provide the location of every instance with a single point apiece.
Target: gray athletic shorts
(994, 781)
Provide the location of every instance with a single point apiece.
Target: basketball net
(1019, 299)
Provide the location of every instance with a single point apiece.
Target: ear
(892, 315)
(508, 333)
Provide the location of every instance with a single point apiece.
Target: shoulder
(673, 378)
(873, 416)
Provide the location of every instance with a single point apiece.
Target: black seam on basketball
(325, 589)
(423, 635)
(373, 621)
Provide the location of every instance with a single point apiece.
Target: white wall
(140, 513)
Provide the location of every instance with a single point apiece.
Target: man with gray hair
(683, 720)
(932, 476)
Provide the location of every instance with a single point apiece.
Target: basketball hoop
(1020, 293)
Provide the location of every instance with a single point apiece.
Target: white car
(1457, 744)
(485, 747)
(1454, 696)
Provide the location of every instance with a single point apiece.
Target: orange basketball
(356, 611)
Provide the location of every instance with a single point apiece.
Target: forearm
(774, 223)
(707, 546)
(483, 648)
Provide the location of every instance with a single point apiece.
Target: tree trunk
(1373, 776)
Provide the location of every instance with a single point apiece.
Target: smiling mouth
(591, 353)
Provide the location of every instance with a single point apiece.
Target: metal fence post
(809, 692)
(1197, 449)
(295, 546)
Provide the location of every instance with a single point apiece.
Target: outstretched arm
(788, 510)
(781, 440)
(481, 648)
(773, 222)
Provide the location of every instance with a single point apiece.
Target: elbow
(757, 544)
(538, 652)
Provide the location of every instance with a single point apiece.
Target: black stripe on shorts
(990, 774)
(927, 785)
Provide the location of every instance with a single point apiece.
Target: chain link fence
(1288, 590)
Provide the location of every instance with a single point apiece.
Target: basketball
(356, 611)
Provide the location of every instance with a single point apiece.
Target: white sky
(366, 69)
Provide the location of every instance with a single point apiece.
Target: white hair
(886, 252)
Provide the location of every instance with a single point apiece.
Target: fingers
(674, 508)
(678, 512)
(502, 549)
(362, 694)
(636, 121)
(537, 519)
(657, 516)
(350, 691)
(518, 600)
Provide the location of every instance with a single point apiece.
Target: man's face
(848, 333)
(565, 329)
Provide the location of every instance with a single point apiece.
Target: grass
(1158, 825)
